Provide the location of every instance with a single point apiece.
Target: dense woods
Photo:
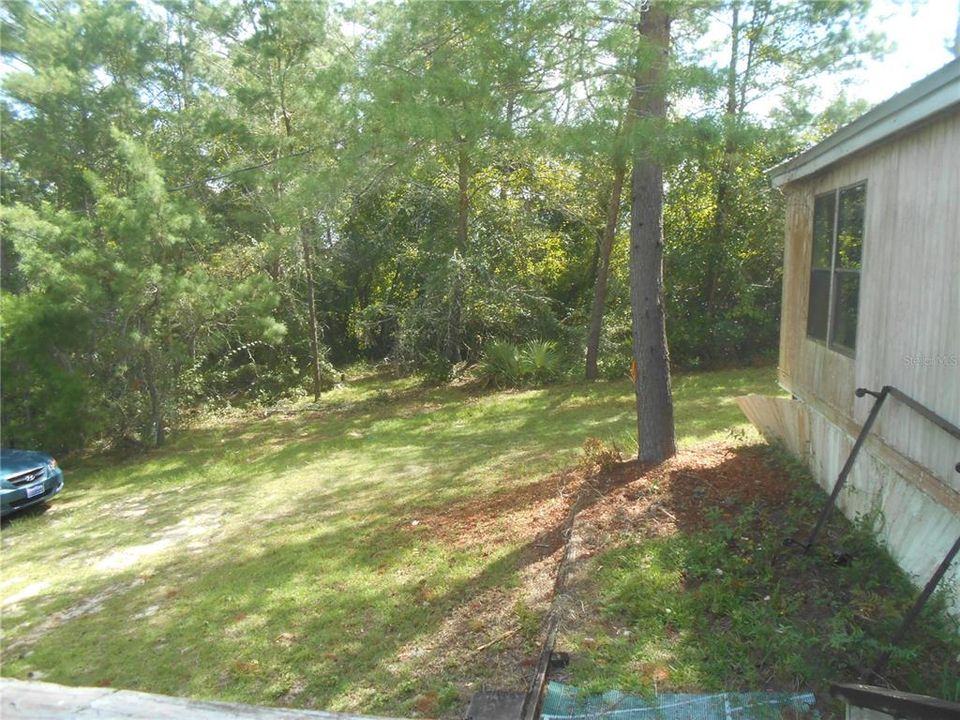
(211, 201)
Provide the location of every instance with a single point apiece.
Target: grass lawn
(394, 548)
(389, 551)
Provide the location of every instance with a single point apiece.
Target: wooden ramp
(23, 700)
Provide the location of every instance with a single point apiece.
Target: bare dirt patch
(533, 512)
(677, 494)
(501, 629)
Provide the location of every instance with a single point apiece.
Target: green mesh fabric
(563, 702)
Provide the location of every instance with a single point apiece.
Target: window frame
(828, 340)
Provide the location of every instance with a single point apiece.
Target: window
(838, 220)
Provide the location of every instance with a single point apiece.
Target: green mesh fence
(563, 702)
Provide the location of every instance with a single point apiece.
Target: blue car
(27, 478)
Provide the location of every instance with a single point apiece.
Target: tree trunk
(312, 309)
(156, 402)
(610, 232)
(454, 316)
(725, 178)
(603, 271)
(654, 401)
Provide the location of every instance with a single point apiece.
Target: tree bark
(718, 229)
(603, 272)
(156, 402)
(610, 233)
(455, 312)
(312, 311)
(655, 429)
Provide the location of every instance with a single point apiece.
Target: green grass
(273, 559)
(726, 605)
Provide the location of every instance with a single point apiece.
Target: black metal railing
(941, 422)
(881, 396)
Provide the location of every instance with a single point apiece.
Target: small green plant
(528, 620)
(504, 364)
(539, 362)
(435, 369)
(597, 455)
(500, 366)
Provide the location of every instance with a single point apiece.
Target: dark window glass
(823, 215)
(846, 300)
(819, 304)
(837, 249)
(850, 227)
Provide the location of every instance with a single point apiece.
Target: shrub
(500, 366)
(539, 362)
(596, 455)
(536, 362)
(435, 369)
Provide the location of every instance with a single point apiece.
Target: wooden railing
(900, 705)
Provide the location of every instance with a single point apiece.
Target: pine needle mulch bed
(684, 584)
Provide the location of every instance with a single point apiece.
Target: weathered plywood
(909, 322)
(22, 700)
(780, 420)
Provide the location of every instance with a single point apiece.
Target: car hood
(14, 462)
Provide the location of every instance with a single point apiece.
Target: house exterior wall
(908, 331)
(908, 336)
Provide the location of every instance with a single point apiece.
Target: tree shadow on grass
(317, 534)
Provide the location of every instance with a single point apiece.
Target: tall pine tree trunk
(455, 311)
(718, 231)
(157, 430)
(654, 401)
(609, 233)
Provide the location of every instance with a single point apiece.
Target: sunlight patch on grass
(271, 557)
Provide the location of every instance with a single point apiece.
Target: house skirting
(912, 513)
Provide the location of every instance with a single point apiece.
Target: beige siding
(909, 324)
(915, 516)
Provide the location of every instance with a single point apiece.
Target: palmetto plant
(506, 365)
(539, 362)
(500, 366)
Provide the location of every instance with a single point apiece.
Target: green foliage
(182, 183)
(500, 366)
(540, 362)
(733, 607)
(46, 399)
(435, 368)
(745, 324)
(504, 364)
(143, 311)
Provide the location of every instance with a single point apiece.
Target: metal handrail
(945, 425)
(881, 396)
